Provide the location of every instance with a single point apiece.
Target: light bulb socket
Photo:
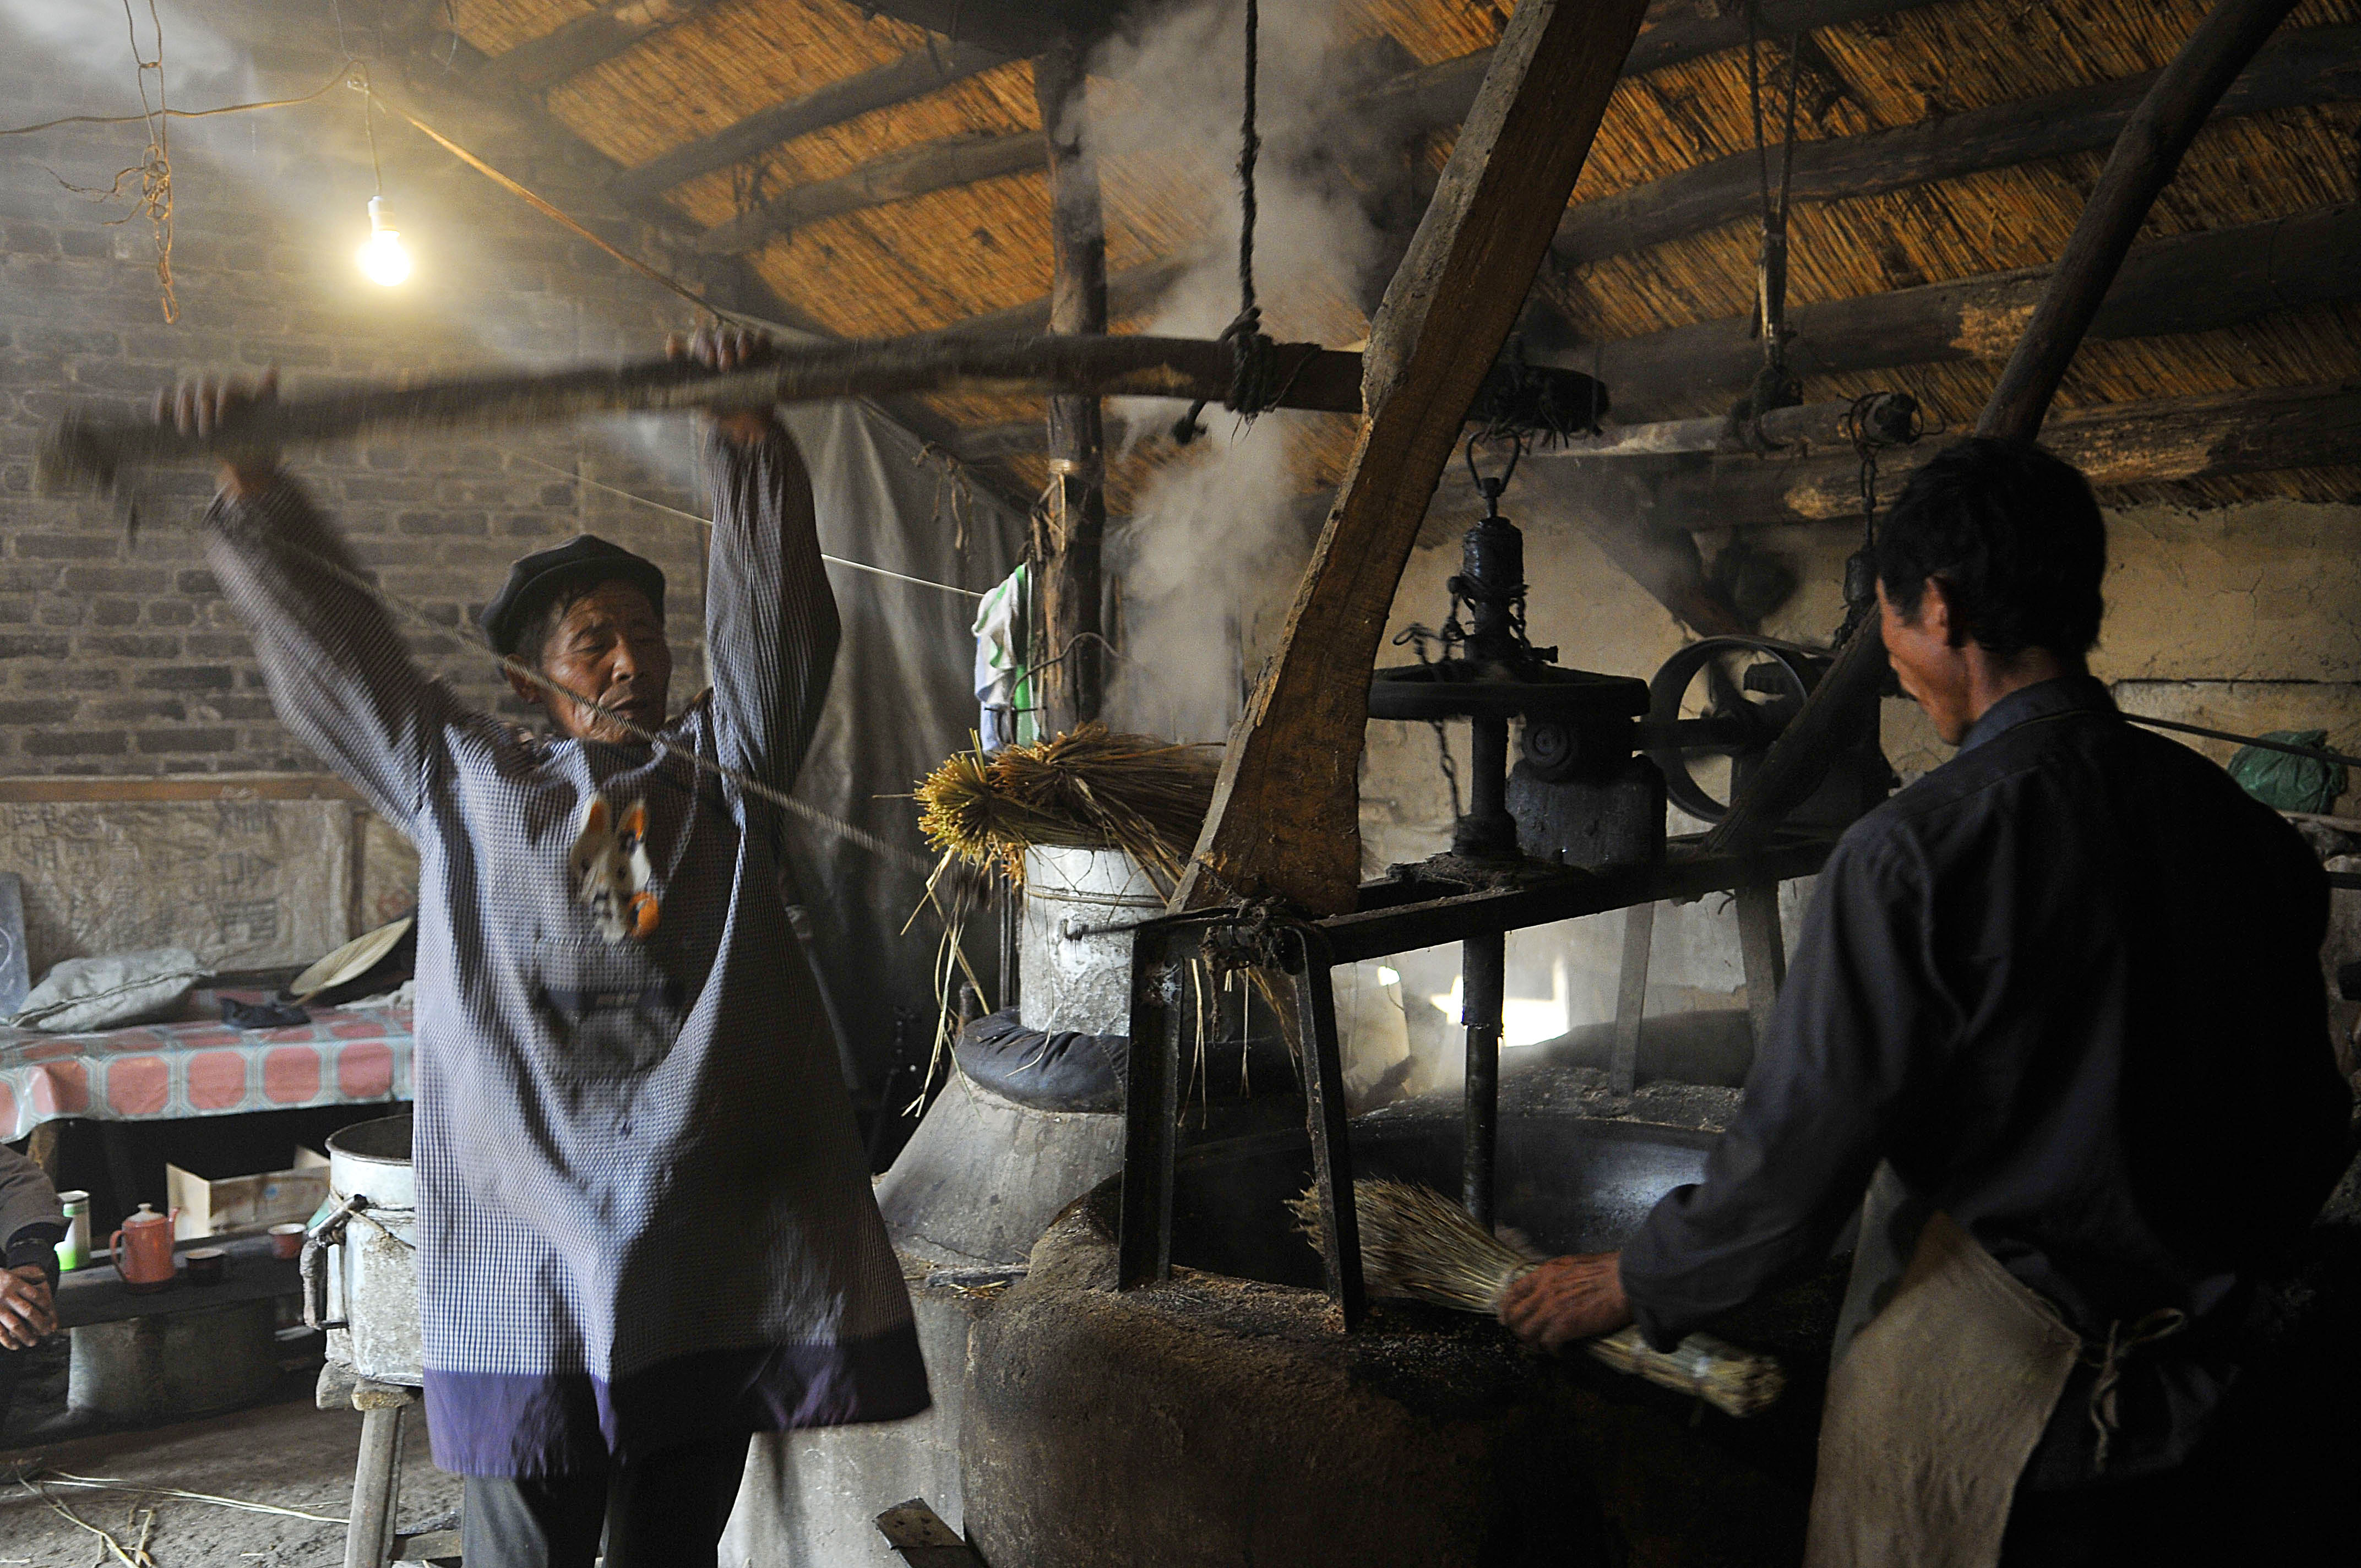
(381, 220)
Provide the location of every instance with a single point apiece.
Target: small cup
(207, 1266)
(287, 1240)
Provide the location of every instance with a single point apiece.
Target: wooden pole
(1070, 523)
(2143, 160)
(87, 446)
(1285, 819)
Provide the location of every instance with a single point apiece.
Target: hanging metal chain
(1875, 421)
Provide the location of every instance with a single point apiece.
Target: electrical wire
(2317, 753)
(313, 97)
(692, 517)
(550, 211)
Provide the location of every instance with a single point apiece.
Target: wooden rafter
(1285, 814)
(1421, 101)
(586, 41)
(913, 75)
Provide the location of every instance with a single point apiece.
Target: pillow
(100, 994)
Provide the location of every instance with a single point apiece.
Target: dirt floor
(286, 1454)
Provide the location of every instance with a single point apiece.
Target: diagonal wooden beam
(1286, 808)
(589, 40)
(2315, 65)
(2145, 155)
(913, 75)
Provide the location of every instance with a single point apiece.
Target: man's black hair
(2015, 534)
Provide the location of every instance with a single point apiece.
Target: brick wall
(117, 653)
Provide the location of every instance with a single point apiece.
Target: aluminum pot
(360, 1260)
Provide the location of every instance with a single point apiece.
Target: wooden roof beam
(2314, 65)
(1285, 817)
(2193, 282)
(541, 64)
(896, 177)
(1428, 99)
(2209, 436)
(913, 75)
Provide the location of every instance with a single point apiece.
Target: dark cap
(584, 561)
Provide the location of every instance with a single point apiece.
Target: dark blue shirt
(2069, 985)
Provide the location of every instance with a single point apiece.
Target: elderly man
(31, 1226)
(646, 1225)
(2068, 987)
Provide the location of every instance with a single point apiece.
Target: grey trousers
(665, 1507)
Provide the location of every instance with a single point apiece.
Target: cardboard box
(235, 1205)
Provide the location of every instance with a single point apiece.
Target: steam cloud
(1219, 535)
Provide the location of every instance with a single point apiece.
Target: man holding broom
(645, 1223)
(2066, 987)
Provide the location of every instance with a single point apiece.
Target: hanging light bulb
(382, 258)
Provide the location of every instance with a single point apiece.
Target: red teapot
(142, 1250)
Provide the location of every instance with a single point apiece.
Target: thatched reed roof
(940, 257)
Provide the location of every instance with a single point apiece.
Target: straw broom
(1417, 1243)
(1090, 787)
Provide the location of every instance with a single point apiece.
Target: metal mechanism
(1161, 953)
(1576, 828)
(1579, 795)
(1396, 915)
(1755, 687)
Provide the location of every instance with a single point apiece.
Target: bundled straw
(1089, 788)
(1417, 1243)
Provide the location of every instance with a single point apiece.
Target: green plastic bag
(2285, 782)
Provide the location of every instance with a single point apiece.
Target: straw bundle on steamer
(1090, 787)
(1419, 1245)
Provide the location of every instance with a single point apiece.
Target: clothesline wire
(693, 517)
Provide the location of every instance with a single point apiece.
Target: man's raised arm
(770, 619)
(340, 674)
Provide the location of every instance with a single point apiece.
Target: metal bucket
(1074, 953)
(360, 1262)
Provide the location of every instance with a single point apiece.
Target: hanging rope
(1775, 385)
(1255, 382)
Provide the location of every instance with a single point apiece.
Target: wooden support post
(1285, 819)
(2142, 162)
(1762, 953)
(1070, 523)
(1631, 997)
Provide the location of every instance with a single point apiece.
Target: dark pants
(665, 1509)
